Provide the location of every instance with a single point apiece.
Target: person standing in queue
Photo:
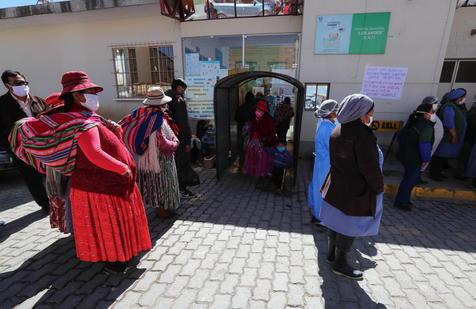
(16, 104)
(179, 114)
(109, 219)
(453, 115)
(326, 115)
(353, 189)
(416, 140)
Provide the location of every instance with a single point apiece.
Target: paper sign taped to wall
(384, 82)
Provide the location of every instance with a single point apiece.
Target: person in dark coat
(179, 114)
(243, 115)
(16, 104)
(282, 117)
(416, 142)
(353, 190)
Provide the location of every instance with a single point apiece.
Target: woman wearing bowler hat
(109, 220)
(154, 149)
(258, 162)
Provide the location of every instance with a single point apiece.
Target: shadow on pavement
(19, 224)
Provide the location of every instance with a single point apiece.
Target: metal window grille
(133, 78)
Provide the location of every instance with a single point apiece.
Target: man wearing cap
(179, 114)
(453, 115)
(16, 104)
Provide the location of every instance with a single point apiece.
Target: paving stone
(238, 247)
(231, 281)
(277, 300)
(221, 301)
(241, 298)
(208, 291)
(280, 282)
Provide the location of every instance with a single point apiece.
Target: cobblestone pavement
(237, 247)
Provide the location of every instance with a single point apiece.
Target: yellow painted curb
(436, 193)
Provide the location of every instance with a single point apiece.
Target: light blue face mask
(280, 148)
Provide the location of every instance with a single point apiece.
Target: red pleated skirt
(109, 228)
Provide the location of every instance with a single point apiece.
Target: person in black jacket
(179, 114)
(416, 142)
(16, 104)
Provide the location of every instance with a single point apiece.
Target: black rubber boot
(341, 267)
(331, 248)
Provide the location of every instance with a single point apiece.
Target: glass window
(208, 59)
(447, 71)
(274, 53)
(315, 94)
(213, 9)
(137, 68)
(466, 72)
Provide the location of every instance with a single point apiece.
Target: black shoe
(407, 207)
(115, 267)
(340, 267)
(186, 194)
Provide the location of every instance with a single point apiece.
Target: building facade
(401, 51)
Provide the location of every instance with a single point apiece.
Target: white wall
(44, 47)
(461, 44)
(417, 39)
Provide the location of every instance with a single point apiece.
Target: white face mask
(21, 91)
(92, 102)
(371, 120)
(433, 118)
(435, 107)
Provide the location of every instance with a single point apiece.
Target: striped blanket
(51, 140)
(138, 127)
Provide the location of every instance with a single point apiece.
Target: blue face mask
(281, 148)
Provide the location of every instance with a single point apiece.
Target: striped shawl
(51, 140)
(139, 126)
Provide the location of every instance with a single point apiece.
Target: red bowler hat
(54, 99)
(262, 106)
(74, 81)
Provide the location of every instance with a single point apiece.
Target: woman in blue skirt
(353, 190)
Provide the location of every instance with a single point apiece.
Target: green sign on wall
(364, 33)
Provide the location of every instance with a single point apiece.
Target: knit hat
(455, 94)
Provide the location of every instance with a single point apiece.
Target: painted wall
(417, 39)
(46, 46)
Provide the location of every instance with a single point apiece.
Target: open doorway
(230, 93)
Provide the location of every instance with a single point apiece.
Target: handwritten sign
(386, 125)
(384, 82)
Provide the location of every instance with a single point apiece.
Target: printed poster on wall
(201, 77)
(384, 82)
(363, 33)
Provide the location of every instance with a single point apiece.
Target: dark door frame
(225, 88)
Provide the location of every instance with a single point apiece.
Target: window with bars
(138, 68)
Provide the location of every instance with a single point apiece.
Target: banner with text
(364, 33)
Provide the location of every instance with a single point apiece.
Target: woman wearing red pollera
(109, 220)
(258, 162)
